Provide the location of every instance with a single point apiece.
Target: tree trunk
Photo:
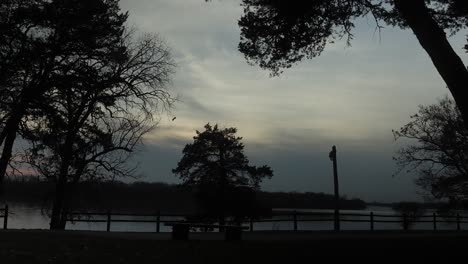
(59, 207)
(56, 222)
(64, 213)
(11, 129)
(67, 203)
(8, 135)
(434, 40)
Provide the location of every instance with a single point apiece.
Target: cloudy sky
(351, 97)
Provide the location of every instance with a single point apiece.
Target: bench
(180, 230)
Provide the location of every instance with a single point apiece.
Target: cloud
(351, 97)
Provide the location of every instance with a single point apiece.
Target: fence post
(251, 223)
(405, 222)
(5, 217)
(458, 222)
(372, 221)
(295, 220)
(222, 223)
(158, 221)
(108, 220)
(434, 220)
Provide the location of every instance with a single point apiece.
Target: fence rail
(293, 217)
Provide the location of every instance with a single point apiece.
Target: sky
(351, 97)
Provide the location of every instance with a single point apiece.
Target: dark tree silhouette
(41, 40)
(216, 165)
(437, 148)
(79, 87)
(99, 152)
(19, 51)
(275, 34)
(410, 212)
(96, 118)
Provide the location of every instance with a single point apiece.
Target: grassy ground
(100, 247)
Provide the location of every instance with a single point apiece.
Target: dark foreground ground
(318, 247)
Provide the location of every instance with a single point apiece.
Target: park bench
(180, 230)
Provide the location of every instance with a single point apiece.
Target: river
(28, 217)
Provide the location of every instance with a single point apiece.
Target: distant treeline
(441, 207)
(144, 197)
(307, 200)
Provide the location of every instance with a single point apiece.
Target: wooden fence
(293, 217)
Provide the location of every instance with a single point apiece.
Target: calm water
(27, 217)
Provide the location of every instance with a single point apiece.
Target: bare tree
(436, 147)
(95, 117)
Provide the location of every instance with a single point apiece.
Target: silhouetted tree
(275, 34)
(42, 43)
(95, 118)
(99, 151)
(215, 164)
(86, 94)
(437, 149)
(410, 212)
(18, 50)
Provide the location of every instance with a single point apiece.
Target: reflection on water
(27, 217)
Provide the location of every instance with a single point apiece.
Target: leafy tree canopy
(216, 157)
(45, 45)
(82, 90)
(275, 34)
(216, 166)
